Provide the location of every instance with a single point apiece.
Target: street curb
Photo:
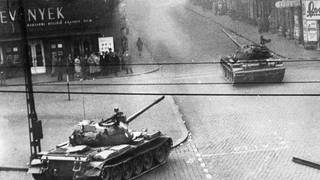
(105, 77)
(181, 122)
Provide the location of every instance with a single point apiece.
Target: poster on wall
(312, 33)
(105, 43)
(311, 9)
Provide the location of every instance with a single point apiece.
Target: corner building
(55, 28)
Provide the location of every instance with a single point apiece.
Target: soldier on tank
(116, 118)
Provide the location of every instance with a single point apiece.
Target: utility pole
(35, 125)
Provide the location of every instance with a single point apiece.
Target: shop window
(13, 55)
(53, 46)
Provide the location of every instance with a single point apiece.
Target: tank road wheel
(161, 154)
(116, 173)
(147, 160)
(137, 166)
(106, 174)
(127, 170)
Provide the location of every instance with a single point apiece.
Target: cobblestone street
(235, 132)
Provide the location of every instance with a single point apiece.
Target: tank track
(138, 165)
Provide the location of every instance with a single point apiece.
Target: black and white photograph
(159, 89)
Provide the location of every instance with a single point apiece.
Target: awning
(288, 3)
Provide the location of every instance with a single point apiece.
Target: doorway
(37, 57)
(83, 46)
(56, 50)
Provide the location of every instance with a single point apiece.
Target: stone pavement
(279, 44)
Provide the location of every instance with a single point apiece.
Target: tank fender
(95, 169)
(35, 170)
(35, 167)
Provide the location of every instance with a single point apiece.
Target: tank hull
(236, 74)
(144, 154)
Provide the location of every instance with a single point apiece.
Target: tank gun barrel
(232, 39)
(132, 117)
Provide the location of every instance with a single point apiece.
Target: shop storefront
(311, 23)
(55, 28)
(289, 19)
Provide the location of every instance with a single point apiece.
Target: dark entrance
(56, 50)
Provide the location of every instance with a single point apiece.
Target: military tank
(252, 64)
(104, 150)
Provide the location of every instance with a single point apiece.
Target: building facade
(277, 16)
(55, 28)
(311, 23)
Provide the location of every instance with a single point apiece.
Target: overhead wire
(51, 84)
(170, 94)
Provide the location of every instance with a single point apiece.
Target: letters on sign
(312, 10)
(34, 15)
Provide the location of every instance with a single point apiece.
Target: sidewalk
(279, 44)
(145, 58)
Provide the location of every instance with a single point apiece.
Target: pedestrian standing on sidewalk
(91, 66)
(70, 69)
(103, 63)
(97, 64)
(60, 68)
(127, 62)
(139, 45)
(77, 66)
(85, 66)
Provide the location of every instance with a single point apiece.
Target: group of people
(92, 65)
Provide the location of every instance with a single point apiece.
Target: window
(13, 55)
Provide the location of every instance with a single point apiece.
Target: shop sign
(44, 15)
(312, 32)
(105, 43)
(312, 10)
(287, 3)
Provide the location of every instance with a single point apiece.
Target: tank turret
(252, 52)
(111, 131)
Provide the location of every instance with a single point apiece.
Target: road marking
(244, 152)
(202, 163)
